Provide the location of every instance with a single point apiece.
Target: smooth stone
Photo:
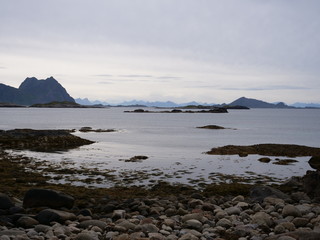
(47, 198)
(300, 222)
(149, 228)
(12, 232)
(290, 210)
(273, 200)
(238, 198)
(197, 216)
(224, 223)
(5, 201)
(42, 228)
(156, 236)
(51, 215)
(262, 219)
(97, 223)
(127, 225)
(27, 222)
(232, 211)
(188, 236)
(87, 236)
(193, 223)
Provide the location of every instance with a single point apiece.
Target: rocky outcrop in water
(288, 150)
(212, 110)
(40, 140)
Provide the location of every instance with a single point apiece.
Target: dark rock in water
(264, 160)
(5, 201)
(90, 129)
(51, 215)
(311, 184)
(40, 140)
(214, 127)
(314, 162)
(47, 198)
(288, 150)
(259, 193)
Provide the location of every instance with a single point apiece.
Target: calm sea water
(173, 143)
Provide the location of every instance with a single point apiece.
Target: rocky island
(211, 110)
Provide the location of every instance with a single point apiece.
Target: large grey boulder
(47, 198)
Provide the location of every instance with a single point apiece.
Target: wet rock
(98, 223)
(300, 222)
(264, 160)
(12, 233)
(311, 183)
(51, 215)
(314, 162)
(193, 224)
(5, 201)
(233, 211)
(262, 219)
(290, 210)
(27, 222)
(87, 236)
(47, 198)
(149, 228)
(224, 223)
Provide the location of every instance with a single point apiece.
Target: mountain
(254, 103)
(86, 101)
(33, 91)
(306, 105)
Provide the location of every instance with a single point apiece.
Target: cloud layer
(204, 50)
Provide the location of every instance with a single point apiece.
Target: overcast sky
(181, 50)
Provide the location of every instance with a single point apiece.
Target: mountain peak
(254, 103)
(33, 91)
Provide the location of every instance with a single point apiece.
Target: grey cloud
(135, 76)
(266, 88)
(103, 75)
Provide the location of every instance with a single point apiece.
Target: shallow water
(172, 142)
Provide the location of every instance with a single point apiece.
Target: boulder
(259, 193)
(51, 215)
(314, 162)
(5, 201)
(47, 198)
(311, 183)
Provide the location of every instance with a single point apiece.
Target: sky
(211, 51)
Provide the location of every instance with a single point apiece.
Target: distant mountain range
(33, 91)
(86, 101)
(243, 101)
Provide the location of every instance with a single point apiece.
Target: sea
(175, 146)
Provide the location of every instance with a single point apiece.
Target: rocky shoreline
(266, 213)
(33, 208)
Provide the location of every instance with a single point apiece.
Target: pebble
(173, 218)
